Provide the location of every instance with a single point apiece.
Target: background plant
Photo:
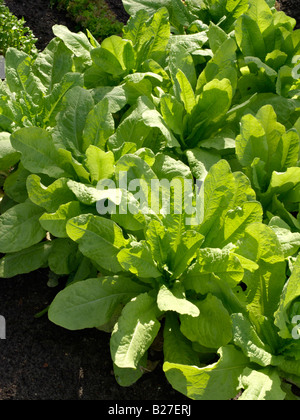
(14, 33)
(93, 15)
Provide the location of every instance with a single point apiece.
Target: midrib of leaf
(157, 36)
(74, 125)
(135, 332)
(137, 32)
(54, 104)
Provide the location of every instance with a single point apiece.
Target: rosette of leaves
(185, 280)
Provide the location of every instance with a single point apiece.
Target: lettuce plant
(192, 91)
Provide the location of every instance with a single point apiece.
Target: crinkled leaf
(98, 238)
(204, 383)
(138, 260)
(51, 197)
(260, 385)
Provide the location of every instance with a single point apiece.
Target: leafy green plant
(14, 33)
(185, 94)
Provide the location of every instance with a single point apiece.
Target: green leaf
(99, 163)
(264, 138)
(237, 220)
(204, 383)
(172, 112)
(52, 64)
(168, 168)
(25, 261)
(55, 223)
(200, 161)
(20, 227)
(128, 376)
(115, 56)
(132, 128)
(99, 126)
(136, 26)
(53, 101)
(63, 258)
(92, 302)
(252, 141)
(98, 238)
(8, 155)
(281, 183)
(246, 337)
(177, 348)
(190, 242)
(212, 328)
(157, 240)
(51, 197)
(289, 241)
(260, 385)
(186, 92)
(218, 262)
(128, 214)
(249, 37)
(73, 166)
(180, 60)
(78, 43)
(135, 169)
(20, 79)
(115, 95)
(223, 191)
(88, 195)
(158, 31)
(264, 286)
(71, 120)
(290, 294)
(153, 119)
(150, 6)
(221, 66)
(216, 37)
(135, 331)
(39, 154)
(138, 260)
(174, 299)
(215, 99)
(15, 184)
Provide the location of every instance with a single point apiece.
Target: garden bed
(39, 360)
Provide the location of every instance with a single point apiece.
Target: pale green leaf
(92, 302)
(135, 331)
(218, 381)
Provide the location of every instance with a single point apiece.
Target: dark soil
(38, 360)
(41, 361)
